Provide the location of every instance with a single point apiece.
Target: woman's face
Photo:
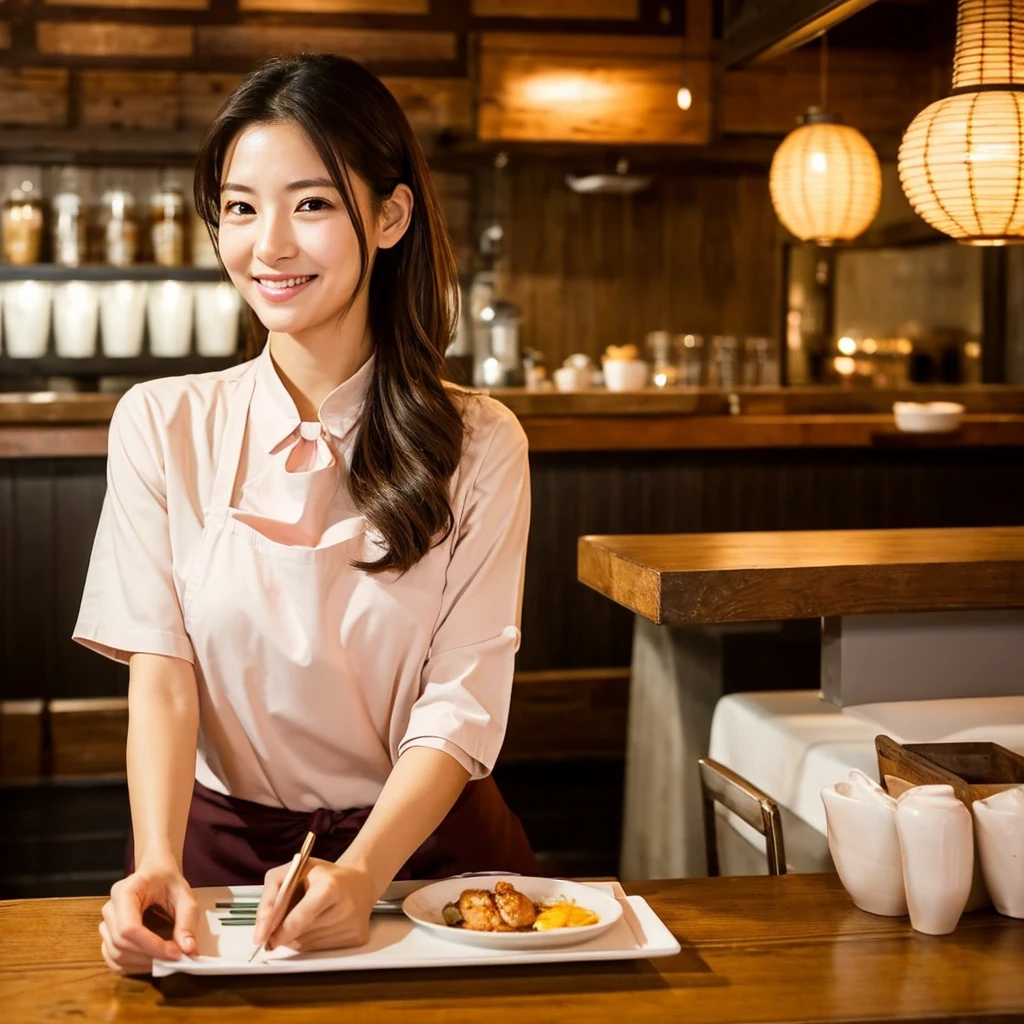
(285, 236)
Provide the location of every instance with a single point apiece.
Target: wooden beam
(765, 29)
(21, 739)
(338, 6)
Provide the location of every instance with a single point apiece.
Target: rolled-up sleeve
(130, 604)
(466, 682)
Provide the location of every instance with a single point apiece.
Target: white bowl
(572, 378)
(927, 417)
(425, 907)
(625, 374)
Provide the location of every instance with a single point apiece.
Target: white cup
(625, 374)
(76, 309)
(217, 316)
(169, 317)
(572, 378)
(26, 314)
(122, 318)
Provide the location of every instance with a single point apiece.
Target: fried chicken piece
(517, 911)
(478, 911)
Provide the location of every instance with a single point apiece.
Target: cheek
(332, 244)
(235, 250)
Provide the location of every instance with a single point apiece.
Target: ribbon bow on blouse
(290, 502)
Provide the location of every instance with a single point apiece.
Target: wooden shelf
(102, 272)
(144, 365)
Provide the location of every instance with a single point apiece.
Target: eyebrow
(295, 186)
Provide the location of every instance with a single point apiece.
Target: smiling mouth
(290, 282)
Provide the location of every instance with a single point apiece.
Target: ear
(395, 215)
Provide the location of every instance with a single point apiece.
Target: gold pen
(284, 894)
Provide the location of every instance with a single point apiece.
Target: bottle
(69, 238)
(120, 227)
(167, 226)
(23, 226)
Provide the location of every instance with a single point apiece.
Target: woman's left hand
(334, 910)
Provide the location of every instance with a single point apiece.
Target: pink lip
(281, 294)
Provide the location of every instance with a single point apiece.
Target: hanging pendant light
(961, 161)
(825, 179)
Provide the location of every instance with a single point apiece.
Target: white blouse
(422, 659)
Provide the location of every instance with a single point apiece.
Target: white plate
(424, 907)
(927, 417)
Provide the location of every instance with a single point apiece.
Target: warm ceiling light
(825, 180)
(961, 162)
(684, 98)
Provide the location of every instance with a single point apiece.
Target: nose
(274, 241)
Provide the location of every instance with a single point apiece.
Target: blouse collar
(275, 417)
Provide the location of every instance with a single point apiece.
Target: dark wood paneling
(566, 625)
(693, 254)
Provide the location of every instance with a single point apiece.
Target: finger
(264, 912)
(120, 961)
(302, 918)
(328, 938)
(186, 919)
(129, 901)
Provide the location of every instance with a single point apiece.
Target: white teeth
(290, 283)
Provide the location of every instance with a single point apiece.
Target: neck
(312, 364)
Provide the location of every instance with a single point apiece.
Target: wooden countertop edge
(57, 439)
(684, 597)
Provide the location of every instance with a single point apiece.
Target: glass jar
(23, 226)
(167, 226)
(69, 239)
(120, 227)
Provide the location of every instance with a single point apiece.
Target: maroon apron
(236, 842)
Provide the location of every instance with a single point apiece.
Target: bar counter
(54, 424)
(786, 948)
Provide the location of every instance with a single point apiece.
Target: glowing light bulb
(684, 98)
(847, 346)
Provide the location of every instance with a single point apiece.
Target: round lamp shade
(961, 162)
(825, 181)
(962, 166)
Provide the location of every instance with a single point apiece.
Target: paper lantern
(825, 180)
(961, 161)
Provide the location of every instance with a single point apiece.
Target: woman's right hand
(129, 947)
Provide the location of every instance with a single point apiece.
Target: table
(755, 949)
(906, 614)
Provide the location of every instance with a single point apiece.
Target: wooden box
(974, 770)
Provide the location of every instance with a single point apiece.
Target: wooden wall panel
(622, 10)
(873, 91)
(368, 45)
(434, 105)
(202, 95)
(590, 89)
(339, 6)
(5, 35)
(113, 39)
(34, 97)
(130, 99)
(694, 254)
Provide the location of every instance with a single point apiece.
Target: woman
(313, 561)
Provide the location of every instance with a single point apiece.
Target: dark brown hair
(411, 432)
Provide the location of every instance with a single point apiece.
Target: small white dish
(625, 374)
(928, 417)
(424, 907)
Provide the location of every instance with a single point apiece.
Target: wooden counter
(56, 425)
(789, 948)
(693, 579)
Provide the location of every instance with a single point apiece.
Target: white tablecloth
(791, 744)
